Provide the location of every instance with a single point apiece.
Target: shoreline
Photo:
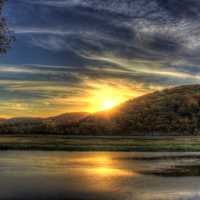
(100, 143)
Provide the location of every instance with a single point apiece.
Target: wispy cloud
(75, 46)
(40, 31)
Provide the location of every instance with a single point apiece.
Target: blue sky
(69, 55)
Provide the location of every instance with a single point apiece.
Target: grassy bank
(63, 143)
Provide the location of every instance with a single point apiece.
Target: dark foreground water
(99, 176)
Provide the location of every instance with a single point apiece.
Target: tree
(6, 36)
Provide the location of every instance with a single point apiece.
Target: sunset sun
(106, 96)
(107, 104)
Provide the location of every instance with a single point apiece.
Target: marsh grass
(87, 143)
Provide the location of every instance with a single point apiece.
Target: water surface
(99, 176)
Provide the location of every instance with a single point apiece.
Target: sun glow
(105, 99)
(105, 96)
(101, 165)
(107, 104)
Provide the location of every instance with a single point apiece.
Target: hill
(51, 125)
(68, 118)
(174, 111)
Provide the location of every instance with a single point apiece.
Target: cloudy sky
(71, 55)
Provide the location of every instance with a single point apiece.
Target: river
(48, 175)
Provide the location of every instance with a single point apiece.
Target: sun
(107, 104)
(105, 97)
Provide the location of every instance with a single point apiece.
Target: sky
(75, 55)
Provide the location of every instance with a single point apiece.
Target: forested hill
(174, 111)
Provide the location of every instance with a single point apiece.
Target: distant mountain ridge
(69, 117)
(174, 111)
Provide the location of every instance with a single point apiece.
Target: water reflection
(176, 171)
(100, 159)
(98, 176)
(107, 171)
(101, 172)
(100, 165)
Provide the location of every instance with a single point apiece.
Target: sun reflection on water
(101, 165)
(93, 160)
(100, 172)
(111, 172)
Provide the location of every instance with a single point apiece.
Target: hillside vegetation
(174, 111)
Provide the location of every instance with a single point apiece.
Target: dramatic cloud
(69, 50)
